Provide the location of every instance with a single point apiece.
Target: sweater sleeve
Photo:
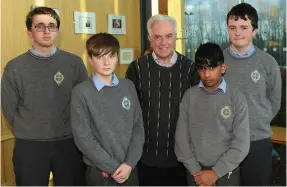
(183, 146)
(137, 140)
(86, 142)
(240, 143)
(274, 88)
(9, 95)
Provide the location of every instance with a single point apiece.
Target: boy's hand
(207, 178)
(122, 173)
(197, 179)
(198, 173)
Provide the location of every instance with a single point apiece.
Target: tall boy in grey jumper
(107, 119)
(256, 74)
(212, 134)
(36, 94)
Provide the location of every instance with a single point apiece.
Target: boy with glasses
(36, 92)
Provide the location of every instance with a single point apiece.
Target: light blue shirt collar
(246, 55)
(222, 86)
(39, 55)
(99, 84)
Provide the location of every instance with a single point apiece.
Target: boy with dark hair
(36, 94)
(212, 134)
(107, 119)
(257, 75)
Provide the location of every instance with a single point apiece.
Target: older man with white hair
(161, 78)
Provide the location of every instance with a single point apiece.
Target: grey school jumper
(258, 78)
(212, 130)
(36, 94)
(107, 124)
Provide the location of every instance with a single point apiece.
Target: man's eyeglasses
(42, 27)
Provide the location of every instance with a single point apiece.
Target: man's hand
(206, 178)
(122, 173)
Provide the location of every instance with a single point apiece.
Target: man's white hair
(159, 18)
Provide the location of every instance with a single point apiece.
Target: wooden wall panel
(162, 7)
(2, 166)
(176, 10)
(7, 165)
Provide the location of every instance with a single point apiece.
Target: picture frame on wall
(116, 24)
(126, 55)
(85, 22)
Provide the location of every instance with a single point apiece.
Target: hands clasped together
(122, 173)
(205, 178)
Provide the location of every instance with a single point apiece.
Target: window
(205, 21)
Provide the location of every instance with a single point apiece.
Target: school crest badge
(58, 77)
(225, 112)
(126, 103)
(255, 76)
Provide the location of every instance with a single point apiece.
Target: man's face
(240, 32)
(43, 38)
(162, 39)
(211, 77)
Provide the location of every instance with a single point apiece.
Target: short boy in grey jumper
(257, 75)
(212, 134)
(107, 119)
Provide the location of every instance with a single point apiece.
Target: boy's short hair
(208, 55)
(244, 11)
(41, 11)
(102, 44)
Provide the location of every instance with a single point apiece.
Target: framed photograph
(85, 22)
(126, 55)
(116, 24)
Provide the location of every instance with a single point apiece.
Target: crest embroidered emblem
(225, 112)
(126, 103)
(58, 77)
(255, 76)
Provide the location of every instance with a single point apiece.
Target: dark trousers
(155, 176)
(227, 180)
(95, 178)
(256, 169)
(33, 161)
